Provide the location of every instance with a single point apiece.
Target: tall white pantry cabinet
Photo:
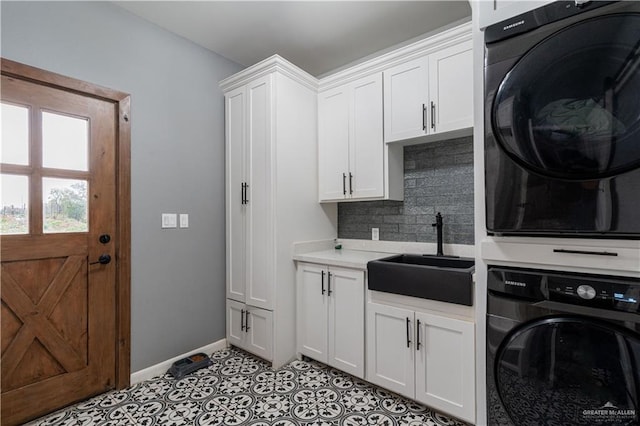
(271, 201)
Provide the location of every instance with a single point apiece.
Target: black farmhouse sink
(443, 278)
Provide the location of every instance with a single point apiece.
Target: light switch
(184, 220)
(169, 220)
(375, 234)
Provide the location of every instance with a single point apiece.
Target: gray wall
(438, 177)
(178, 275)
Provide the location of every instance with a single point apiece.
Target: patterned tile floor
(239, 389)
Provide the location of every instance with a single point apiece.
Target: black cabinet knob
(103, 260)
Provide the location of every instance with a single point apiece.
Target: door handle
(329, 283)
(344, 184)
(241, 319)
(350, 183)
(104, 259)
(322, 282)
(408, 335)
(433, 116)
(246, 321)
(417, 335)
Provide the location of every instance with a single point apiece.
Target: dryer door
(569, 108)
(569, 370)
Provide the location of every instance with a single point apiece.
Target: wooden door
(346, 320)
(58, 199)
(390, 348)
(312, 312)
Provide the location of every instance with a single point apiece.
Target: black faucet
(438, 226)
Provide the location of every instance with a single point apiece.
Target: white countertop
(347, 258)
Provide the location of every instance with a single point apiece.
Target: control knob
(586, 291)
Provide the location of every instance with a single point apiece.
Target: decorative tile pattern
(239, 389)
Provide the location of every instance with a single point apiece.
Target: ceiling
(318, 36)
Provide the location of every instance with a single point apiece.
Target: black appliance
(562, 121)
(562, 348)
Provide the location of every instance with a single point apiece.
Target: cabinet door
(259, 332)
(235, 322)
(445, 373)
(390, 351)
(312, 310)
(451, 88)
(366, 145)
(405, 99)
(346, 320)
(333, 143)
(258, 200)
(235, 125)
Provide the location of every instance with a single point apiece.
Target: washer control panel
(598, 291)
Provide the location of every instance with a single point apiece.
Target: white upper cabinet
(429, 95)
(451, 88)
(352, 154)
(333, 143)
(406, 98)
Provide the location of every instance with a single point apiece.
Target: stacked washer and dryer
(562, 159)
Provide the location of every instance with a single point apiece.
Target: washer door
(569, 108)
(569, 370)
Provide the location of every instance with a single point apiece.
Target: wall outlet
(375, 234)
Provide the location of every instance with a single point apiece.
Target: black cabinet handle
(350, 183)
(433, 116)
(329, 283)
(417, 335)
(241, 319)
(424, 111)
(408, 338)
(246, 321)
(596, 253)
(344, 184)
(243, 193)
(322, 282)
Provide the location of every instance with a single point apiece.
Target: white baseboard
(162, 367)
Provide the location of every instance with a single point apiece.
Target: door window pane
(64, 205)
(14, 121)
(14, 213)
(65, 142)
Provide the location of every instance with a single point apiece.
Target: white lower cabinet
(424, 356)
(330, 312)
(250, 328)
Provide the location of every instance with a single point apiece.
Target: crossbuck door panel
(58, 300)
